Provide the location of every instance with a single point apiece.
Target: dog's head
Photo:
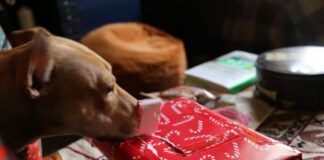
(71, 89)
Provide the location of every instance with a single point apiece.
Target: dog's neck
(17, 120)
(17, 137)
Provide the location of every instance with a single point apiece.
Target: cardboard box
(229, 73)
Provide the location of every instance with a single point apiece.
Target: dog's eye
(109, 89)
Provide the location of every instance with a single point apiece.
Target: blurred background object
(74, 18)
(143, 58)
(208, 28)
(292, 77)
(68, 18)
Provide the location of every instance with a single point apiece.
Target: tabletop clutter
(143, 57)
(211, 111)
(188, 130)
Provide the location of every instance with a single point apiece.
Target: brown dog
(54, 86)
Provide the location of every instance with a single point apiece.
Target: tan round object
(143, 58)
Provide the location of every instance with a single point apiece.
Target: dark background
(198, 23)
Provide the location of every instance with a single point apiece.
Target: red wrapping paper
(34, 151)
(149, 109)
(190, 131)
(5, 154)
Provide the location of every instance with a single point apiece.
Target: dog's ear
(20, 37)
(39, 67)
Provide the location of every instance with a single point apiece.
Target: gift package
(188, 130)
(34, 151)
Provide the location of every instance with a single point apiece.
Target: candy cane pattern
(256, 146)
(227, 133)
(213, 138)
(238, 128)
(166, 120)
(158, 144)
(236, 152)
(149, 145)
(215, 144)
(199, 129)
(235, 125)
(136, 157)
(168, 135)
(205, 157)
(200, 111)
(199, 137)
(170, 151)
(142, 147)
(218, 140)
(175, 109)
(188, 119)
(218, 122)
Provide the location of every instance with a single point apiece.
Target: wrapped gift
(189, 131)
(5, 154)
(34, 151)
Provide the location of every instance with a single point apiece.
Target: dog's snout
(130, 107)
(128, 102)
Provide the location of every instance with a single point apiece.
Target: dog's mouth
(115, 138)
(125, 132)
